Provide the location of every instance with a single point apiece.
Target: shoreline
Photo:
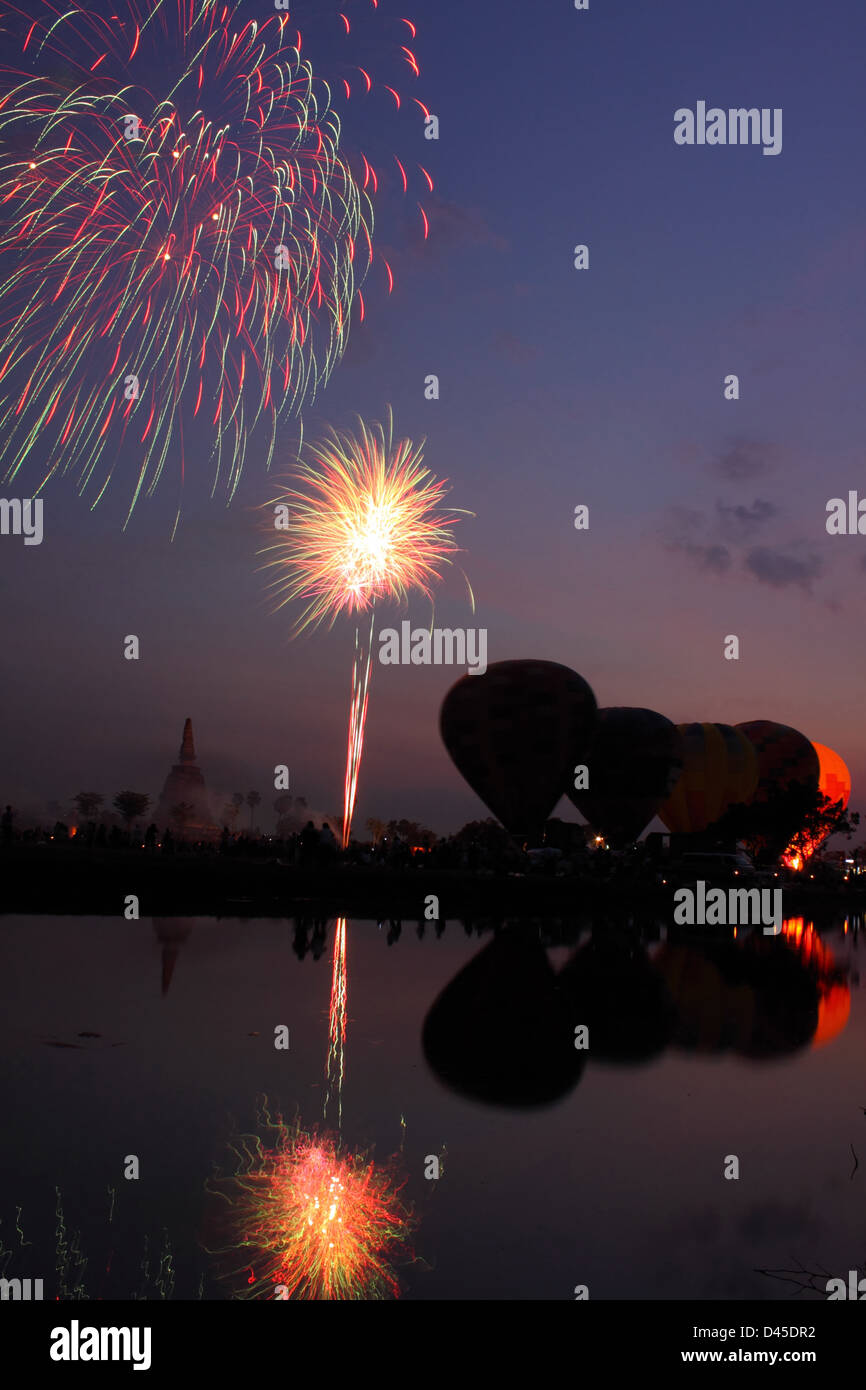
(79, 883)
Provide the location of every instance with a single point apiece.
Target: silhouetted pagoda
(185, 784)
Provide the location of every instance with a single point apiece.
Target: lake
(583, 1094)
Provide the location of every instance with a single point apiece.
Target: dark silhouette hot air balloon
(613, 988)
(753, 997)
(720, 769)
(502, 1030)
(784, 756)
(788, 775)
(516, 733)
(634, 760)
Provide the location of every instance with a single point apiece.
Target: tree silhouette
(797, 814)
(88, 804)
(411, 832)
(821, 820)
(376, 828)
(131, 806)
(253, 800)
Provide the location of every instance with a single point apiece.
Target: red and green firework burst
(309, 1220)
(183, 237)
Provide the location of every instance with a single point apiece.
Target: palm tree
(131, 805)
(88, 804)
(376, 829)
(253, 800)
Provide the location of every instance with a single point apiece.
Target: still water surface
(560, 1166)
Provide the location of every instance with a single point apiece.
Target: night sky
(558, 387)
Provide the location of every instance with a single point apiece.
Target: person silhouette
(309, 843)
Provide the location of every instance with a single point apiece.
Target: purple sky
(707, 517)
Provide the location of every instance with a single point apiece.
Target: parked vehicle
(715, 867)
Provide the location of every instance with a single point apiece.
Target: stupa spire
(185, 786)
(187, 747)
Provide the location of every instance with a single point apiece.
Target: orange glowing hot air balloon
(834, 782)
(834, 779)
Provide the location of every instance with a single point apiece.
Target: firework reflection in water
(337, 1023)
(305, 1219)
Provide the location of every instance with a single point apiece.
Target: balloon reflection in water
(309, 1220)
(834, 992)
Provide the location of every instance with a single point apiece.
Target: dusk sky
(558, 387)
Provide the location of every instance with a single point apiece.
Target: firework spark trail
(337, 1023)
(203, 267)
(368, 524)
(357, 724)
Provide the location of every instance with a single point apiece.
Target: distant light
(32, 166)
(175, 155)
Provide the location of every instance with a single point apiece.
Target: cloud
(709, 541)
(684, 532)
(451, 224)
(740, 522)
(452, 228)
(746, 458)
(778, 568)
(716, 558)
(771, 1222)
(514, 347)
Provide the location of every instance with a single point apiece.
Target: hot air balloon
(755, 997)
(834, 782)
(784, 756)
(787, 763)
(634, 761)
(720, 769)
(614, 989)
(834, 779)
(834, 1001)
(516, 733)
(502, 1031)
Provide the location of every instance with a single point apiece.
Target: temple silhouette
(185, 784)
